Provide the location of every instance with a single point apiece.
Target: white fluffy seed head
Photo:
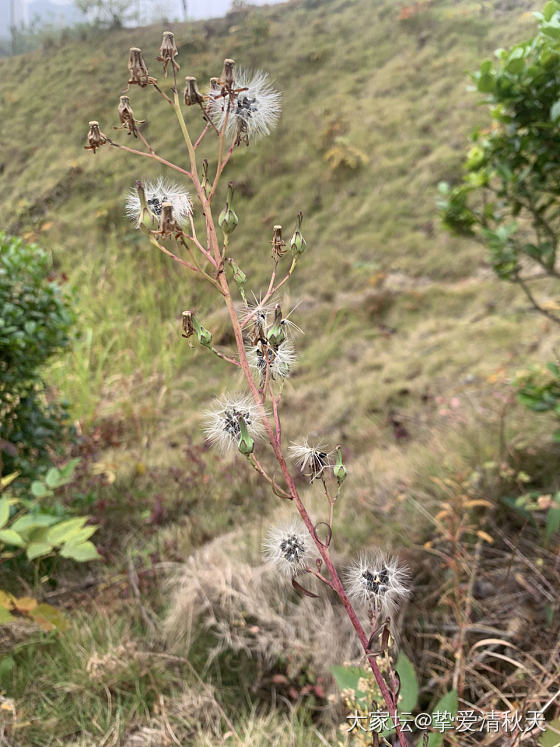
(157, 193)
(222, 421)
(379, 580)
(288, 548)
(280, 361)
(254, 111)
(312, 460)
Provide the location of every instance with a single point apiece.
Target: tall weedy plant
(236, 109)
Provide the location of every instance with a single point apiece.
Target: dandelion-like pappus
(222, 425)
(252, 108)
(157, 193)
(288, 548)
(312, 460)
(379, 580)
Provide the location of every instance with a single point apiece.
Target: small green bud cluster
(297, 242)
(191, 325)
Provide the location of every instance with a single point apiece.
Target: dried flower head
(192, 94)
(312, 460)
(252, 109)
(379, 580)
(95, 137)
(157, 193)
(167, 223)
(168, 52)
(126, 116)
(288, 548)
(137, 68)
(228, 73)
(280, 361)
(222, 421)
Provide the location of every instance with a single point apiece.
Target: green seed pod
(276, 334)
(204, 335)
(339, 470)
(297, 242)
(238, 274)
(228, 220)
(246, 444)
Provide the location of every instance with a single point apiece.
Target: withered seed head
(215, 85)
(227, 73)
(126, 116)
(167, 224)
(278, 246)
(168, 51)
(192, 94)
(138, 69)
(95, 137)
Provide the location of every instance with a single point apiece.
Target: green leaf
(39, 490)
(49, 617)
(515, 65)
(63, 532)
(9, 537)
(83, 552)
(38, 549)
(5, 616)
(347, 678)
(551, 736)
(4, 511)
(552, 520)
(409, 684)
(32, 521)
(485, 83)
(549, 10)
(53, 478)
(446, 705)
(555, 111)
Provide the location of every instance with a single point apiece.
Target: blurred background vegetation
(410, 358)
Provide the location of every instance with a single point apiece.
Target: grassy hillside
(410, 343)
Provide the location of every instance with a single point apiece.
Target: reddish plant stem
(149, 155)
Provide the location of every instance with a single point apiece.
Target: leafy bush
(508, 195)
(35, 323)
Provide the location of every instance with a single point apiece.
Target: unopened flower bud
(95, 137)
(168, 51)
(137, 68)
(227, 73)
(238, 274)
(228, 220)
(192, 325)
(246, 444)
(278, 245)
(339, 470)
(276, 334)
(192, 94)
(297, 242)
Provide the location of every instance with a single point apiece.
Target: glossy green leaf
(409, 684)
(39, 490)
(83, 552)
(38, 550)
(32, 521)
(4, 511)
(53, 478)
(448, 705)
(9, 537)
(63, 532)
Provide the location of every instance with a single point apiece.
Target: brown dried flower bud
(215, 86)
(138, 69)
(168, 51)
(227, 73)
(192, 94)
(126, 116)
(167, 223)
(95, 137)
(278, 246)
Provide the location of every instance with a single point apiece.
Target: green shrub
(35, 323)
(508, 196)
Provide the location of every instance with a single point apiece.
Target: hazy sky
(195, 8)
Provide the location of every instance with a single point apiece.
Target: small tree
(113, 13)
(35, 322)
(508, 197)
